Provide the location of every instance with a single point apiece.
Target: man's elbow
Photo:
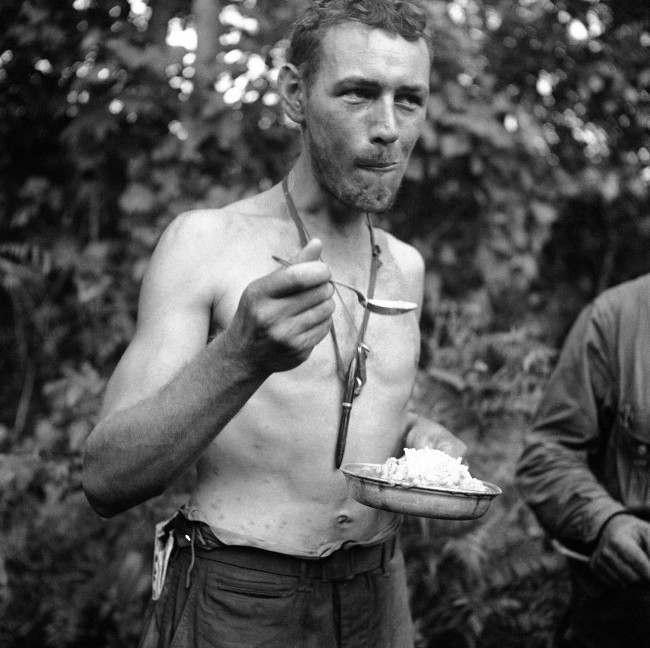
(103, 501)
(101, 494)
(97, 491)
(104, 494)
(100, 506)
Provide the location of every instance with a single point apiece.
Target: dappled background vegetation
(527, 195)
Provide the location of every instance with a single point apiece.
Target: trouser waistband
(343, 564)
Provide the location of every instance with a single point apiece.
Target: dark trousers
(238, 597)
(602, 617)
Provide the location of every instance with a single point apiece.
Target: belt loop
(303, 579)
(386, 556)
(324, 571)
(347, 570)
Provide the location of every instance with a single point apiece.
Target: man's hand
(282, 316)
(425, 433)
(621, 557)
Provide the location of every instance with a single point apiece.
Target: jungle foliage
(527, 195)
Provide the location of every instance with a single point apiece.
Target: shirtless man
(234, 366)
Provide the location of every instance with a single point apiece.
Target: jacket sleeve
(567, 440)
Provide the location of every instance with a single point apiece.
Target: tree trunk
(162, 12)
(206, 15)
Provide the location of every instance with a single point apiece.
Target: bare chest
(392, 341)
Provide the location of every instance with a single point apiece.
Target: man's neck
(323, 214)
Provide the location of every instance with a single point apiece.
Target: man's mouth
(377, 165)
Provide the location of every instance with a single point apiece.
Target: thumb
(311, 251)
(644, 533)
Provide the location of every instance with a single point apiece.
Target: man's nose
(384, 124)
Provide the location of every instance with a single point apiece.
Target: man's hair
(405, 18)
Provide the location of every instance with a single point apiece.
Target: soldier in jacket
(585, 472)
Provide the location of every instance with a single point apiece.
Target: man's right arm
(570, 426)
(172, 393)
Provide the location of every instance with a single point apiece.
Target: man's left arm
(421, 432)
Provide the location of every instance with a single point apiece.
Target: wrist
(236, 360)
(612, 520)
(411, 420)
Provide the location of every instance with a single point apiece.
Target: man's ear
(292, 91)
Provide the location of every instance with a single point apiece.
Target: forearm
(135, 453)
(570, 432)
(556, 482)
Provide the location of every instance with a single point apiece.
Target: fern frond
(27, 254)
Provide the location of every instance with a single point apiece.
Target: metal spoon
(379, 306)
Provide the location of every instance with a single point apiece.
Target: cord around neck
(354, 377)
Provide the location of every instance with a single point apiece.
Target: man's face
(363, 112)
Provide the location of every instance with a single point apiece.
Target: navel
(343, 519)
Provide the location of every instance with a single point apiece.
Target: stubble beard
(350, 189)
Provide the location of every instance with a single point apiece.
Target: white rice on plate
(429, 468)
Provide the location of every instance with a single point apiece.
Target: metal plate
(365, 486)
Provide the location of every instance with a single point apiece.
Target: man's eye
(357, 94)
(409, 101)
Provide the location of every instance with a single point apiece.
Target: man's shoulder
(627, 295)
(223, 224)
(620, 311)
(408, 258)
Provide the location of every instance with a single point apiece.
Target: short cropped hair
(405, 18)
